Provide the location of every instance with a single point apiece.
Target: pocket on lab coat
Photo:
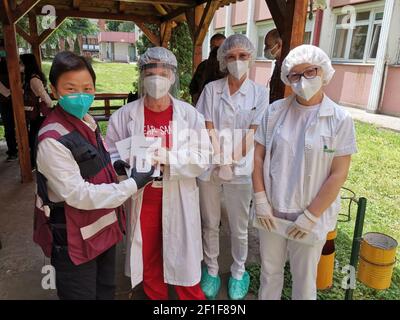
(245, 118)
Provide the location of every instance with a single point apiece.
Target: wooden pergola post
(290, 20)
(35, 44)
(199, 19)
(10, 44)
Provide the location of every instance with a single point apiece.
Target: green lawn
(375, 174)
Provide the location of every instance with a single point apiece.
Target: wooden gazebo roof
(289, 17)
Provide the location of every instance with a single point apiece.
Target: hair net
(307, 54)
(159, 57)
(233, 42)
(157, 54)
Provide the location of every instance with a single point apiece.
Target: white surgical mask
(156, 86)
(307, 88)
(238, 68)
(268, 53)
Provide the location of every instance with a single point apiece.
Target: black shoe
(12, 157)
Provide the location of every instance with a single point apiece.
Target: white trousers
(303, 259)
(237, 199)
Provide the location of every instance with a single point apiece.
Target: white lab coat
(181, 223)
(333, 128)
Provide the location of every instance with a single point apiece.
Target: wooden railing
(103, 112)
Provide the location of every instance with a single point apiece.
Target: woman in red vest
(78, 214)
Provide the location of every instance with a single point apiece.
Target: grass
(374, 174)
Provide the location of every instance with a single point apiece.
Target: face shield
(158, 79)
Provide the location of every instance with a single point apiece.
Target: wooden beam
(197, 49)
(33, 30)
(208, 14)
(107, 16)
(10, 43)
(149, 34)
(161, 10)
(173, 14)
(6, 13)
(277, 9)
(76, 4)
(122, 7)
(165, 33)
(23, 34)
(190, 19)
(183, 3)
(48, 32)
(24, 8)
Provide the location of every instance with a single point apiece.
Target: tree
(125, 26)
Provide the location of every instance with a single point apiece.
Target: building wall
(121, 52)
(239, 12)
(352, 81)
(351, 84)
(391, 96)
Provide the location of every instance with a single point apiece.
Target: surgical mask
(268, 53)
(76, 104)
(238, 68)
(156, 86)
(307, 88)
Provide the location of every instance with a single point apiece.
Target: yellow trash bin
(377, 260)
(326, 263)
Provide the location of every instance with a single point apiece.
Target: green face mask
(76, 104)
(2, 54)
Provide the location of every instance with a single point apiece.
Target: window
(357, 35)
(240, 30)
(221, 31)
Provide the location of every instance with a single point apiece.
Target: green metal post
(355, 250)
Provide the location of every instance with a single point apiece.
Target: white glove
(264, 211)
(303, 225)
(225, 172)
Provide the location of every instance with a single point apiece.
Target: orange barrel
(326, 263)
(377, 260)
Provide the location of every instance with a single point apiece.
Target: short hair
(274, 34)
(217, 36)
(67, 61)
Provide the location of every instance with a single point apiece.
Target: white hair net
(307, 54)
(232, 42)
(158, 54)
(159, 57)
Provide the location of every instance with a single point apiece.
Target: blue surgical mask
(76, 104)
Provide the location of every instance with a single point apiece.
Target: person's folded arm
(63, 176)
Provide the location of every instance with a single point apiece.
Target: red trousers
(153, 273)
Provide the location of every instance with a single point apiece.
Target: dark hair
(274, 35)
(217, 36)
(68, 61)
(32, 68)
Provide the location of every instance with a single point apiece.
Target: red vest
(89, 232)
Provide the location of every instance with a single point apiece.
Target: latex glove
(120, 166)
(264, 211)
(142, 178)
(303, 225)
(225, 172)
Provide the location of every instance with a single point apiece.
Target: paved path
(380, 120)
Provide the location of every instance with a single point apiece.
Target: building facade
(361, 37)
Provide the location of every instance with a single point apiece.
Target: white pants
(303, 259)
(237, 199)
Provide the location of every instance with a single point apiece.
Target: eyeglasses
(309, 73)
